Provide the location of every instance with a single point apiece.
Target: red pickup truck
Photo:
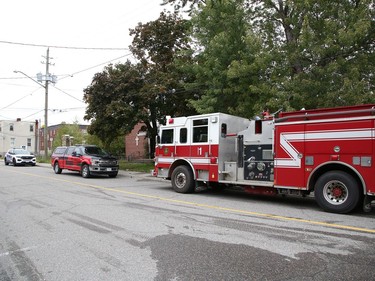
(86, 159)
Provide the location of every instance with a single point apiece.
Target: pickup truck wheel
(56, 168)
(85, 171)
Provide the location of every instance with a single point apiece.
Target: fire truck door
(200, 141)
(183, 148)
(167, 145)
(289, 156)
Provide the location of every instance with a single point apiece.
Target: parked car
(86, 159)
(19, 156)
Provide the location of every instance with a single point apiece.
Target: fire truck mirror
(223, 130)
(157, 139)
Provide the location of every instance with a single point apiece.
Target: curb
(123, 172)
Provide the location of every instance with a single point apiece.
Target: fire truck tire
(182, 180)
(56, 168)
(337, 192)
(85, 171)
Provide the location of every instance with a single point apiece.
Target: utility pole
(46, 108)
(46, 78)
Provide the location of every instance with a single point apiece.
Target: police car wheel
(6, 162)
(182, 180)
(337, 192)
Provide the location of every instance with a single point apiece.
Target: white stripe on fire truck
(294, 160)
(170, 160)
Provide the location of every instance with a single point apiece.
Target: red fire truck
(325, 151)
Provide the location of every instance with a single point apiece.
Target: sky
(83, 37)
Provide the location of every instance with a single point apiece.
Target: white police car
(19, 156)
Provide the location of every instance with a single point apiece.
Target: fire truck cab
(191, 149)
(326, 151)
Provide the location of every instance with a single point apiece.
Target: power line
(64, 47)
(33, 114)
(68, 94)
(74, 73)
(91, 67)
(19, 99)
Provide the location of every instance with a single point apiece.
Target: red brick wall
(136, 144)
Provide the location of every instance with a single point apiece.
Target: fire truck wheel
(56, 168)
(337, 192)
(182, 180)
(85, 172)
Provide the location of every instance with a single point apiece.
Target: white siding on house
(23, 134)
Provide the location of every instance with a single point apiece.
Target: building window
(11, 128)
(29, 142)
(31, 128)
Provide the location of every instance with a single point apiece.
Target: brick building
(52, 131)
(137, 143)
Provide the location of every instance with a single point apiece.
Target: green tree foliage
(218, 29)
(292, 53)
(181, 4)
(114, 103)
(73, 130)
(116, 148)
(229, 59)
(323, 50)
(146, 91)
(160, 46)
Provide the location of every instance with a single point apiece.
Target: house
(18, 133)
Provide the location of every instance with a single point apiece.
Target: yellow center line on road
(213, 207)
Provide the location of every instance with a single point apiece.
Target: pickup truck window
(78, 151)
(94, 150)
(70, 150)
(60, 150)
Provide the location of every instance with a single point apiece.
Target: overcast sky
(28, 27)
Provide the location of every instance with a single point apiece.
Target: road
(135, 227)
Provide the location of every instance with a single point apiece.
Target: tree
(323, 50)
(113, 100)
(313, 53)
(223, 34)
(73, 130)
(180, 4)
(159, 46)
(146, 91)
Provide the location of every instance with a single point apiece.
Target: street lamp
(18, 71)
